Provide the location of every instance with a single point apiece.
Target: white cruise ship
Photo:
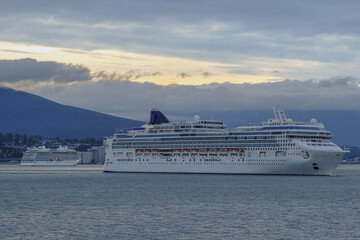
(43, 156)
(277, 146)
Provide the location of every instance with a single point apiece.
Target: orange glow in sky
(171, 70)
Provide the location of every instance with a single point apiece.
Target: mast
(279, 113)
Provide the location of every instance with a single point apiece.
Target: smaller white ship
(42, 156)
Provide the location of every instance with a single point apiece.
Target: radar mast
(279, 113)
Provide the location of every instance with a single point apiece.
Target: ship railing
(122, 130)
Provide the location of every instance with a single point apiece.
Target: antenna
(279, 113)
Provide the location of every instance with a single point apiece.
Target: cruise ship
(42, 156)
(278, 146)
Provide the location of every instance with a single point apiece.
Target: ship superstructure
(42, 156)
(277, 146)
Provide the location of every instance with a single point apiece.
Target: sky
(125, 57)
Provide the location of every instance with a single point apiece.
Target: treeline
(13, 145)
(92, 141)
(10, 139)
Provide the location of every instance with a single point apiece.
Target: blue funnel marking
(156, 117)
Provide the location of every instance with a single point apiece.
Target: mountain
(25, 113)
(21, 112)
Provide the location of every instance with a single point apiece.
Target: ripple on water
(85, 203)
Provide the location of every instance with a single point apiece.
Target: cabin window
(118, 154)
(280, 153)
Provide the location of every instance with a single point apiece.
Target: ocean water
(82, 202)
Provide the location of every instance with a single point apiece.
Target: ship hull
(321, 163)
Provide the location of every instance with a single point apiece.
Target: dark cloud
(338, 81)
(183, 75)
(135, 74)
(29, 69)
(207, 74)
(308, 30)
(302, 16)
(127, 76)
(133, 99)
(156, 74)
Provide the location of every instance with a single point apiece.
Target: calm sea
(84, 203)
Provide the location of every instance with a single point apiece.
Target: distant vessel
(43, 156)
(277, 146)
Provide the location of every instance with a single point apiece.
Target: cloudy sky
(124, 57)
